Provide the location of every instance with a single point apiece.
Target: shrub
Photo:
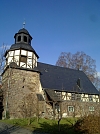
(88, 125)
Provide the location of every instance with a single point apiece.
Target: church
(31, 88)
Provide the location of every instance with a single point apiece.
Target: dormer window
(25, 39)
(79, 83)
(19, 38)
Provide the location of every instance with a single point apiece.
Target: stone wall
(20, 88)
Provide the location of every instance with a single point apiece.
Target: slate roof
(23, 30)
(64, 79)
(22, 46)
(52, 95)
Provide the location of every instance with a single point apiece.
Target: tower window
(23, 58)
(19, 38)
(25, 39)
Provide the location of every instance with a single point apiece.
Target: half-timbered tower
(21, 52)
(21, 79)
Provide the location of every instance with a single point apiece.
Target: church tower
(22, 52)
(21, 79)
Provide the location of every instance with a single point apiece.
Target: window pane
(91, 108)
(23, 59)
(70, 108)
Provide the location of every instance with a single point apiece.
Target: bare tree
(80, 61)
(3, 49)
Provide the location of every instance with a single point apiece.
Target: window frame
(23, 58)
(71, 109)
(91, 109)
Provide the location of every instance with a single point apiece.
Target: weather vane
(24, 24)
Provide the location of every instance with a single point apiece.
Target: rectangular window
(23, 59)
(70, 108)
(91, 108)
(25, 39)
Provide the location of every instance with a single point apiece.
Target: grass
(45, 125)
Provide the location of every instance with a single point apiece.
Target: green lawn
(45, 125)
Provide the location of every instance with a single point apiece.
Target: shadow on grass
(8, 129)
(53, 128)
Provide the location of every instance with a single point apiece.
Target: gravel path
(9, 129)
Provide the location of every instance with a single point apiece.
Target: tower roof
(23, 30)
(22, 44)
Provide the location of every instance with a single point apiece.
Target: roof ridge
(60, 67)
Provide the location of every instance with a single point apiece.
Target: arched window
(25, 39)
(19, 38)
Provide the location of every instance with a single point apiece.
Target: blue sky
(55, 25)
